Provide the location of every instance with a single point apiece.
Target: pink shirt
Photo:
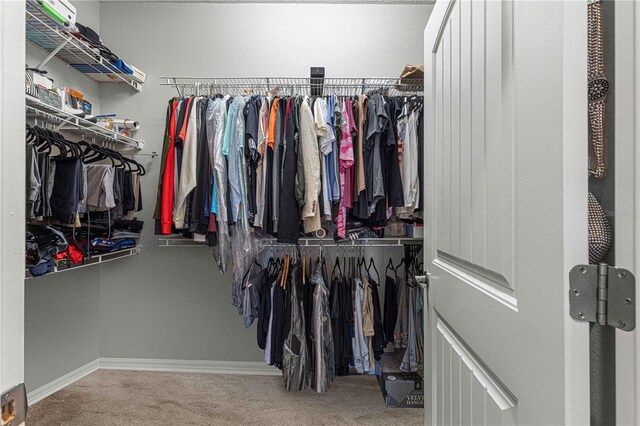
(346, 164)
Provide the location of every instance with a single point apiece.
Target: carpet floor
(138, 398)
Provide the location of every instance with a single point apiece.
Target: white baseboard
(62, 382)
(140, 364)
(189, 366)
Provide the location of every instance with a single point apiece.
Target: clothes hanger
(74, 149)
(389, 263)
(56, 141)
(372, 263)
(246, 274)
(33, 136)
(44, 143)
(336, 265)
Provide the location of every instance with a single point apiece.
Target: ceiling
(409, 2)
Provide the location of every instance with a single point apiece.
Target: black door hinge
(603, 294)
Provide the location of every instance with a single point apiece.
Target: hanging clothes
(295, 358)
(390, 305)
(311, 164)
(323, 343)
(358, 340)
(289, 225)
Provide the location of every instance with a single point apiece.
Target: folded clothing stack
(47, 245)
(109, 245)
(127, 228)
(356, 231)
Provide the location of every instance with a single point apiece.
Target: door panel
(506, 157)
(470, 395)
(486, 151)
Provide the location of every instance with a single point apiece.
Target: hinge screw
(582, 269)
(7, 396)
(621, 324)
(627, 300)
(576, 292)
(581, 315)
(622, 274)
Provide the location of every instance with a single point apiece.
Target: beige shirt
(311, 162)
(367, 309)
(367, 320)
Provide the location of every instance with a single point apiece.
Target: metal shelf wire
(96, 259)
(304, 242)
(294, 86)
(43, 32)
(38, 110)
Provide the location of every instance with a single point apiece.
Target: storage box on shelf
(45, 33)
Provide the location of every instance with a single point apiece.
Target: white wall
(171, 302)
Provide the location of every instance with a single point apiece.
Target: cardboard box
(402, 390)
(138, 74)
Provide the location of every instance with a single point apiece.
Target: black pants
(67, 185)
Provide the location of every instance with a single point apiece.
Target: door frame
(576, 371)
(12, 192)
(627, 199)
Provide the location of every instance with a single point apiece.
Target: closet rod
(307, 242)
(361, 85)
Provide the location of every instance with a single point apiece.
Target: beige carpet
(135, 398)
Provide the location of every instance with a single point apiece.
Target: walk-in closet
(381, 212)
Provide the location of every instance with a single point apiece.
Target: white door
(506, 218)
(12, 195)
(627, 197)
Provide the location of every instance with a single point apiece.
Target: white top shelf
(43, 32)
(70, 123)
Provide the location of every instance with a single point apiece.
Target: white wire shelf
(94, 260)
(294, 85)
(43, 32)
(304, 242)
(38, 110)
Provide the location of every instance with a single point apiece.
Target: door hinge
(604, 295)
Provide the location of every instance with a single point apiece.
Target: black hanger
(44, 143)
(99, 154)
(372, 263)
(336, 265)
(117, 156)
(56, 140)
(390, 266)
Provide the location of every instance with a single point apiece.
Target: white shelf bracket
(53, 53)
